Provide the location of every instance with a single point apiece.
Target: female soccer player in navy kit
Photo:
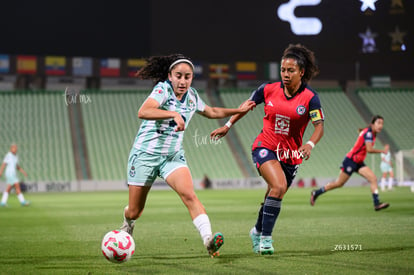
(278, 150)
(157, 149)
(354, 162)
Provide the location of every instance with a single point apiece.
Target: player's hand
(219, 133)
(247, 106)
(386, 148)
(180, 123)
(305, 151)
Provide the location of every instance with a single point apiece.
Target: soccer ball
(118, 246)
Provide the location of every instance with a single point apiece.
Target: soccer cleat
(25, 203)
(255, 241)
(266, 247)
(313, 198)
(127, 226)
(381, 205)
(214, 244)
(3, 205)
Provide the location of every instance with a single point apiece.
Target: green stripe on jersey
(158, 136)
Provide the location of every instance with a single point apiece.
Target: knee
(278, 191)
(189, 198)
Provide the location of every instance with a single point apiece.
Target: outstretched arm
(218, 112)
(222, 131)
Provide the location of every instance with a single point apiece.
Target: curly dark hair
(305, 59)
(157, 67)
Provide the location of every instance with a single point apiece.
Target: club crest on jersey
(282, 124)
(301, 110)
(191, 104)
(263, 153)
(132, 171)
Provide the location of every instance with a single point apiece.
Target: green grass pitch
(60, 233)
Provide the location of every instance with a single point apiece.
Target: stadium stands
(395, 105)
(111, 124)
(38, 122)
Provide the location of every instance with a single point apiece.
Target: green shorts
(143, 168)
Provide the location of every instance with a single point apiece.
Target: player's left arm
(316, 136)
(317, 117)
(21, 170)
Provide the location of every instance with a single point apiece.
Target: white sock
(203, 225)
(390, 182)
(382, 184)
(20, 197)
(5, 197)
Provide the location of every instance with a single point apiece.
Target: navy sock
(259, 220)
(320, 191)
(375, 198)
(271, 210)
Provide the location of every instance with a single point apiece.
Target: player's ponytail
(157, 67)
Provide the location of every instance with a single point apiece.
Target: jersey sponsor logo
(282, 124)
(263, 153)
(301, 110)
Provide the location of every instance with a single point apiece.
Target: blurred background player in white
(11, 164)
(386, 169)
(157, 149)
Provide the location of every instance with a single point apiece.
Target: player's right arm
(257, 96)
(150, 111)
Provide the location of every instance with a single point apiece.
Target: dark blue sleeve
(258, 94)
(315, 103)
(368, 137)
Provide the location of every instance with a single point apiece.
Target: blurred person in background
(386, 169)
(11, 165)
(354, 162)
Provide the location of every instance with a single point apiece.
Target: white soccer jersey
(11, 160)
(158, 136)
